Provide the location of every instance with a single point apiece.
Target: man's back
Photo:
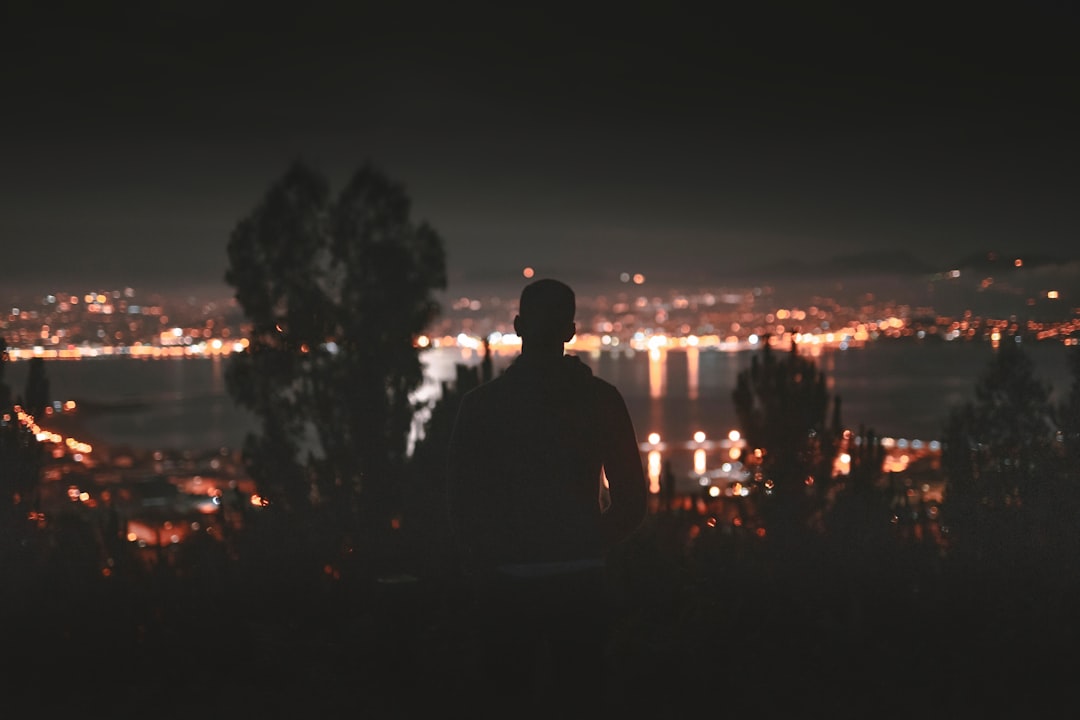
(527, 457)
(526, 464)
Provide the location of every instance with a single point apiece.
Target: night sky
(641, 137)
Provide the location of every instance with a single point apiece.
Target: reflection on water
(693, 364)
(657, 372)
(897, 389)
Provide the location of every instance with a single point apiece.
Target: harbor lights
(736, 444)
(699, 453)
(653, 447)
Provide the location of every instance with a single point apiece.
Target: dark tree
(335, 289)
(860, 520)
(1069, 417)
(1000, 462)
(782, 405)
(5, 391)
(1065, 507)
(36, 395)
(21, 462)
(863, 559)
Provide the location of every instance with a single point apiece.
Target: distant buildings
(634, 315)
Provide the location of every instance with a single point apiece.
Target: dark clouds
(135, 136)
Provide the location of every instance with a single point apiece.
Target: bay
(899, 389)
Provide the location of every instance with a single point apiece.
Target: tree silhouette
(860, 518)
(1069, 417)
(336, 291)
(1000, 461)
(21, 462)
(5, 391)
(36, 395)
(782, 405)
(1065, 507)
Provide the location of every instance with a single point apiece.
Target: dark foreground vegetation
(725, 624)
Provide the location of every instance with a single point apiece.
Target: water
(176, 403)
(897, 389)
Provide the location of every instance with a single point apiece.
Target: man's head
(546, 313)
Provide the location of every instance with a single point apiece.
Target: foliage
(1000, 461)
(860, 518)
(335, 289)
(782, 405)
(5, 391)
(21, 462)
(1065, 507)
(1069, 414)
(36, 395)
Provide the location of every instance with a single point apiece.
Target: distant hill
(899, 264)
(992, 261)
(895, 262)
(878, 262)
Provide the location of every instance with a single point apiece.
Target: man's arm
(627, 487)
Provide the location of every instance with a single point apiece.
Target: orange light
(655, 470)
(699, 461)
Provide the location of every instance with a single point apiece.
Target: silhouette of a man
(532, 515)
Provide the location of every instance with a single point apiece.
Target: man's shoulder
(606, 389)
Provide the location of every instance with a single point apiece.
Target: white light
(466, 341)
